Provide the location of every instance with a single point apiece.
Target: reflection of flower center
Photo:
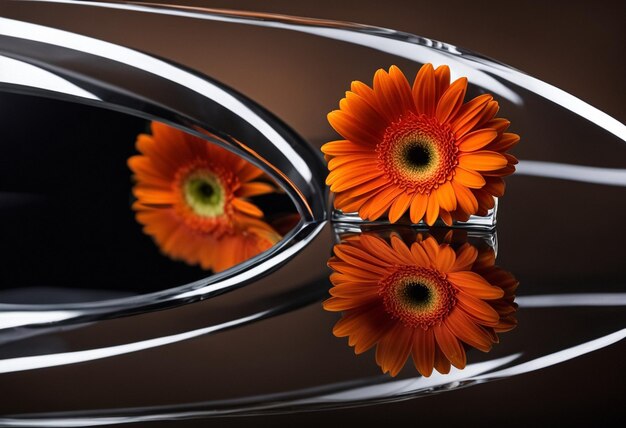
(204, 194)
(418, 153)
(419, 297)
(417, 294)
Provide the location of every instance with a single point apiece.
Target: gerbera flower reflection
(419, 150)
(192, 198)
(425, 300)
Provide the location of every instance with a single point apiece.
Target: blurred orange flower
(419, 150)
(192, 199)
(426, 300)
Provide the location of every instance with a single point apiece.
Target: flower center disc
(418, 153)
(204, 194)
(419, 297)
(417, 294)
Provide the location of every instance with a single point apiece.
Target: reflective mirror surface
(92, 211)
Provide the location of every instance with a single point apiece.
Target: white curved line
(479, 69)
(20, 73)
(132, 58)
(587, 174)
(11, 365)
(570, 300)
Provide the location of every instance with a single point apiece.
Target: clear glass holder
(486, 223)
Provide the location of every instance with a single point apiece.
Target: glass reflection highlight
(419, 297)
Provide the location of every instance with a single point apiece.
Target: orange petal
(432, 210)
(380, 248)
(353, 271)
(347, 257)
(374, 326)
(145, 172)
(399, 207)
(424, 90)
(506, 141)
(431, 246)
(446, 217)
(401, 249)
(442, 364)
(154, 196)
(499, 124)
(485, 201)
(465, 257)
(451, 100)
(423, 351)
(356, 158)
(255, 188)
(478, 309)
(365, 92)
(387, 95)
(349, 203)
(470, 114)
(482, 161)
(449, 345)
(474, 284)
(512, 160)
(445, 258)
(468, 178)
(420, 254)
(169, 144)
(495, 186)
(418, 207)
(340, 182)
(351, 128)
(337, 304)
(361, 254)
(465, 198)
(442, 81)
(507, 170)
(357, 106)
(487, 115)
(247, 207)
(378, 204)
(465, 329)
(354, 320)
(446, 197)
(366, 189)
(476, 140)
(394, 348)
(345, 173)
(345, 147)
(403, 89)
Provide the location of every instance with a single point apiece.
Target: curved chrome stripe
(480, 70)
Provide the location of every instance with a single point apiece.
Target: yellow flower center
(204, 194)
(417, 153)
(419, 297)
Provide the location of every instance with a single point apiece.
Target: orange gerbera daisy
(191, 198)
(418, 149)
(426, 300)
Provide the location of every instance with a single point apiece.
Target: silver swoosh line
(355, 393)
(17, 364)
(61, 64)
(479, 69)
(586, 174)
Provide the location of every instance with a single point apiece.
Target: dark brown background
(578, 46)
